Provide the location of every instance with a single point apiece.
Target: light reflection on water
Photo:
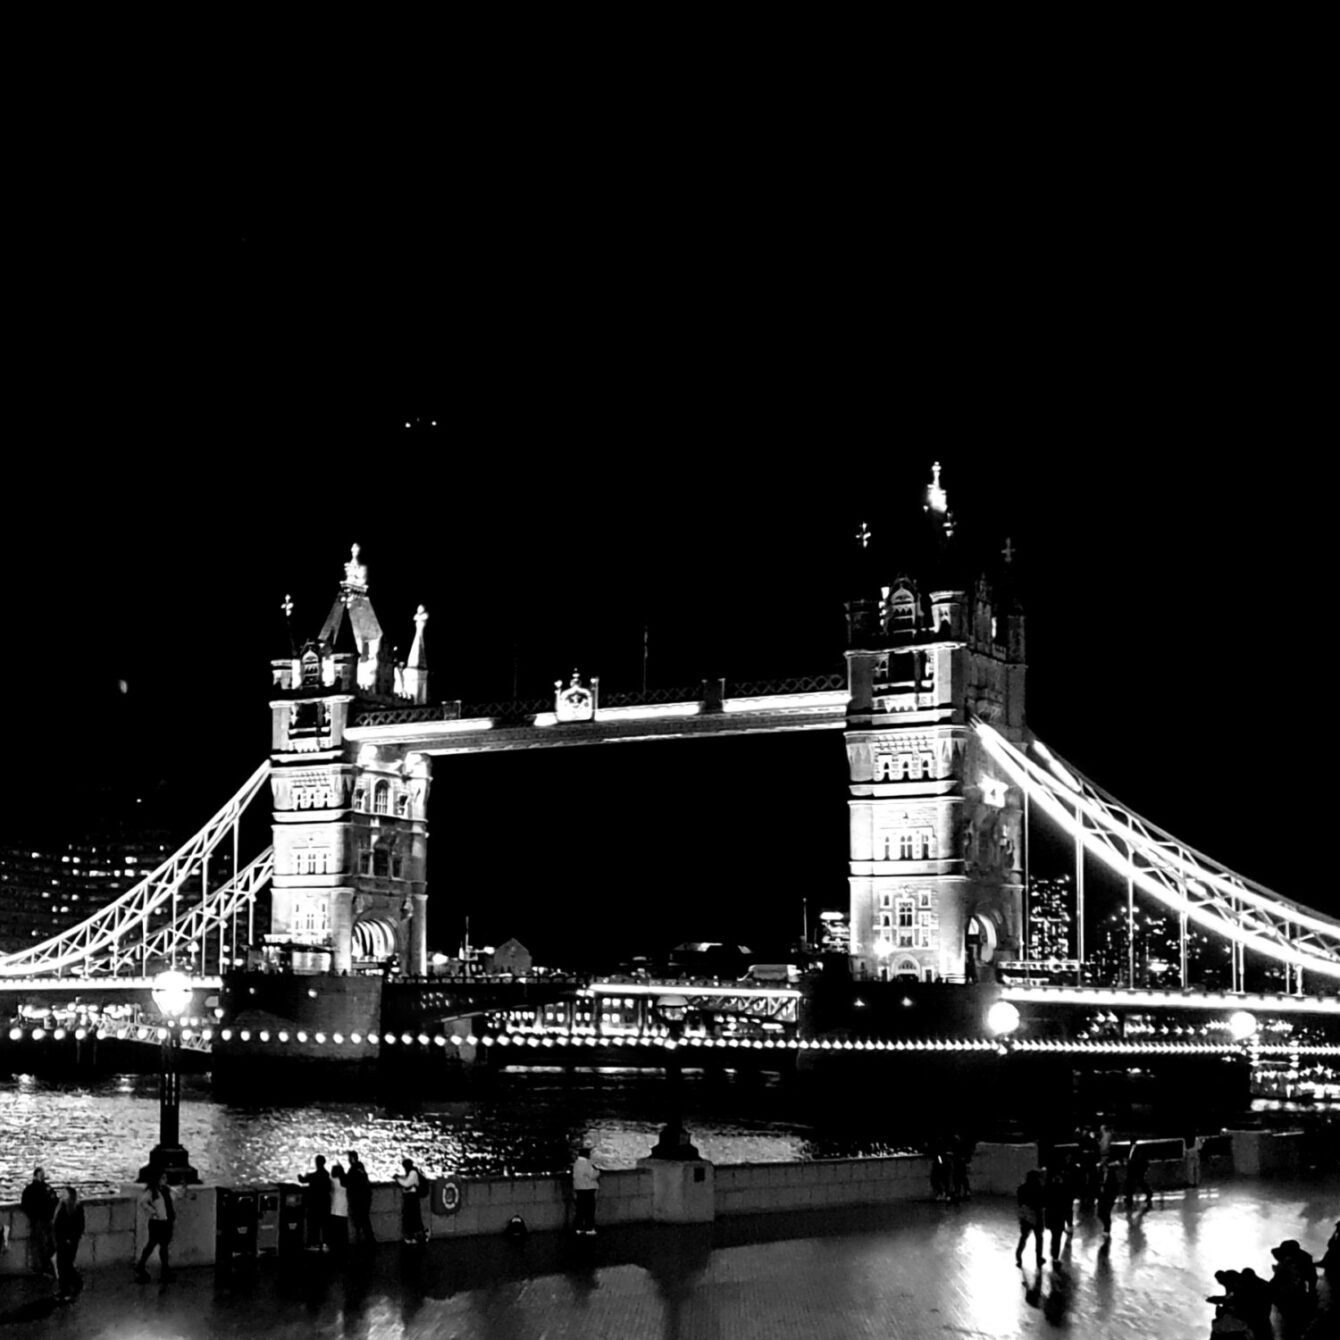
(99, 1136)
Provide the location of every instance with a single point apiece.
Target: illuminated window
(905, 923)
(402, 805)
(381, 798)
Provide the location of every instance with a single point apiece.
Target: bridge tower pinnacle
(936, 853)
(350, 822)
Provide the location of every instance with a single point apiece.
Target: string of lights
(207, 1036)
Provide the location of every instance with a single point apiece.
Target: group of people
(337, 1201)
(949, 1170)
(1244, 1307)
(1092, 1175)
(55, 1227)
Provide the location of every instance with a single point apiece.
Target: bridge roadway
(434, 730)
(90, 989)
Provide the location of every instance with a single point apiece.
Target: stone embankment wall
(652, 1192)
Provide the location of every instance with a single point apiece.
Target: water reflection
(98, 1136)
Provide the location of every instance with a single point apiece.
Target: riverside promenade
(907, 1271)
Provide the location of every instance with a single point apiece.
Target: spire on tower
(355, 573)
(937, 500)
(414, 676)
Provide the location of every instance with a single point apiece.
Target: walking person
(1137, 1175)
(337, 1226)
(585, 1179)
(1108, 1191)
(360, 1201)
(960, 1155)
(411, 1217)
(160, 1214)
(1088, 1167)
(316, 1203)
(39, 1204)
(67, 1228)
(1057, 1208)
(1030, 1199)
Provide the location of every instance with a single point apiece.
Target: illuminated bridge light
(226, 1035)
(319, 1037)
(486, 1041)
(245, 1035)
(264, 1035)
(407, 1038)
(80, 1034)
(15, 1034)
(439, 1040)
(283, 1035)
(302, 1036)
(58, 1034)
(471, 1040)
(337, 1038)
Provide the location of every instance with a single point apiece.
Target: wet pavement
(905, 1271)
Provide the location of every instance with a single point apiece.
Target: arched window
(905, 846)
(381, 862)
(402, 805)
(397, 865)
(360, 797)
(381, 798)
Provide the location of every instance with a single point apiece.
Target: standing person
(1330, 1263)
(1108, 1191)
(1030, 1198)
(360, 1200)
(160, 1214)
(39, 1204)
(1105, 1136)
(337, 1226)
(411, 1218)
(960, 1155)
(67, 1227)
(1137, 1174)
(316, 1203)
(1074, 1180)
(1056, 1208)
(585, 1179)
(1088, 1167)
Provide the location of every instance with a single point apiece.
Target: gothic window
(402, 805)
(886, 921)
(888, 847)
(397, 865)
(924, 898)
(381, 862)
(364, 861)
(905, 927)
(325, 862)
(886, 900)
(359, 797)
(926, 845)
(381, 798)
(904, 846)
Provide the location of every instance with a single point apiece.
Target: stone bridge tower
(350, 823)
(936, 853)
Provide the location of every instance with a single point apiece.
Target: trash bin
(267, 1220)
(235, 1225)
(292, 1220)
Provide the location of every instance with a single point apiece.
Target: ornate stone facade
(936, 855)
(350, 822)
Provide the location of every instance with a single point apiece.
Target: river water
(99, 1136)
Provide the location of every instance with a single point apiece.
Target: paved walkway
(904, 1273)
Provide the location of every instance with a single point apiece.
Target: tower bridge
(944, 778)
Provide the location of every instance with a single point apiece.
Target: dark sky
(671, 368)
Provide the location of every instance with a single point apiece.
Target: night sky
(666, 389)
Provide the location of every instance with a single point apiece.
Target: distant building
(1051, 918)
(48, 887)
(510, 956)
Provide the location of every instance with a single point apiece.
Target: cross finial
(287, 607)
(863, 535)
(1008, 552)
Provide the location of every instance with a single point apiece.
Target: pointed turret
(414, 677)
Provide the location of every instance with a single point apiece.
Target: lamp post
(172, 995)
(674, 1143)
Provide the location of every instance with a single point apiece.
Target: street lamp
(172, 994)
(674, 1143)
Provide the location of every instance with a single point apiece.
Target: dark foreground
(906, 1272)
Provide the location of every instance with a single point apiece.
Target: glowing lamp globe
(1241, 1025)
(172, 993)
(1002, 1017)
